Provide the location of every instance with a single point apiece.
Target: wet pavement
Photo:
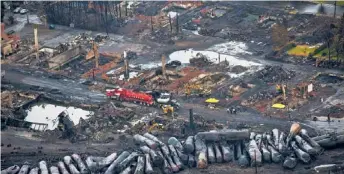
(60, 89)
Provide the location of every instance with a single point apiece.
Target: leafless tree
(279, 36)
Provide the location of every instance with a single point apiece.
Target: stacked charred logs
(153, 156)
(276, 147)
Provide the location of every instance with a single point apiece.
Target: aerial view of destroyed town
(162, 87)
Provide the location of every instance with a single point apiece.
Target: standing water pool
(47, 113)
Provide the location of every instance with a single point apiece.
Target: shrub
(318, 50)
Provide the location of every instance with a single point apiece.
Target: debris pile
(200, 60)
(109, 120)
(227, 145)
(272, 74)
(237, 90)
(209, 80)
(261, 95)
(208, 31)
(238, 69)
(81, 39)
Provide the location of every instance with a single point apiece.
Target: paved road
(61, 88)
(73, 91)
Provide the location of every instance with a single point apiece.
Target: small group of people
(231, 110)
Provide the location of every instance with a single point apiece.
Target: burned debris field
(149, 87)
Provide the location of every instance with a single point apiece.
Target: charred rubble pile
(81, 39)
(272, 74)
(262, 95)
(200, 60)
(239, 146)
(101, 126)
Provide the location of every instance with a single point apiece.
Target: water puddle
(47, 113)
(230, 52)
(131, 75)
(172, 14)
(149, 66)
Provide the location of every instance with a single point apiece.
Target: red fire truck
(148, 98)
(130, 95)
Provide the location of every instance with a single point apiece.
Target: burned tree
(328, 38)
(339, 39)
(279, 36)
(96, 15)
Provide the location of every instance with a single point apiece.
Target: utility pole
(163, 63)
(36, 40)
(119, 8)
(335, 8)
(255, 161)
(283, 90)
(151, 18)
(191, 120)
(126, 69)
(126, 9)
(27, 13)
(177, 23)
(116, 10)
(96, 54)
(170, 21)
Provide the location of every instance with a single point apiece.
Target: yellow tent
(278, 106)
(212, 100)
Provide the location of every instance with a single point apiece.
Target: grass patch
(302, 50)
(339, 3)
(323, 54)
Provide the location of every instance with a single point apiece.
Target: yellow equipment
(167, 109)
(278, 106)
(212, 100)
(156, 126)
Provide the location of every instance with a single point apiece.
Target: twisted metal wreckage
(244, 147)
